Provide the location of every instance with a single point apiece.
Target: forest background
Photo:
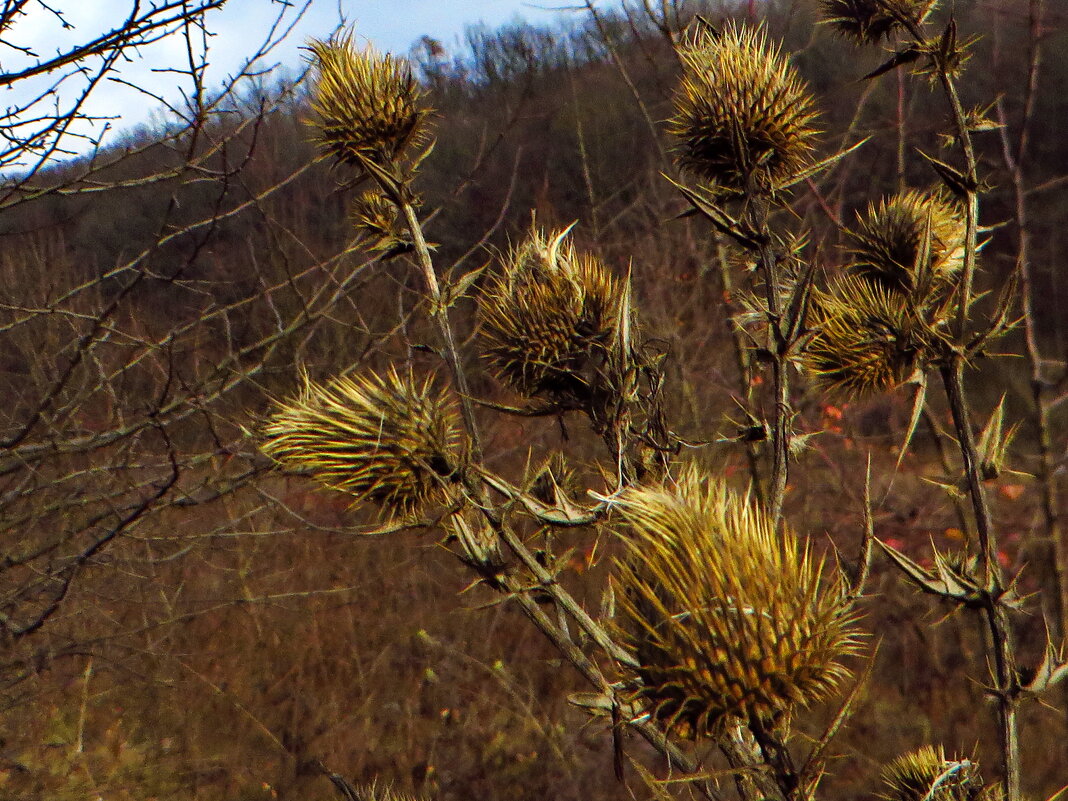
(179, 620)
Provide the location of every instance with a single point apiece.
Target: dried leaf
(819, 166)
(918, 401)
(901, 57)
(954, 179)
(720, 220)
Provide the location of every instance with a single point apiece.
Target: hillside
(179, 618)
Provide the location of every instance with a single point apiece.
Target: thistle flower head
(366, 104)
(742, 115)
(926, 775)
(378, 224)
(549, 320)
(384, 438)
(374, 792)
(870, 21)
(906, 235)
(728, 617)
(866, 338)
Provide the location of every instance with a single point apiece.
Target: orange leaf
(1011, 491)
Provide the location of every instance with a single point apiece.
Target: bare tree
(122, 381)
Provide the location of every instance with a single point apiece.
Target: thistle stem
(1006, 685)
(744, 361)
(778, 347)
(645, 727)
(559, 638)
(441, 316)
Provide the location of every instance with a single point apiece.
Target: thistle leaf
(944, 581)
(900, 58)
(720, 220)
(954, 179)
(820, 166)
(1051, 671)
(918, 401)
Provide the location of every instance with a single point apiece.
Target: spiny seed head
(728, 617)
(366, 105)
(870, 21)
(867, 339)
(889, 241)
(373, 792)
(378, 224)
(926, 775)
(742, 114)
(548, 321)
(384, 438)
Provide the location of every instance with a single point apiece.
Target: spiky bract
(367, 105)
(926, 775)
(379, 225)
(870, 21)
(728, 617)
(742, 114)
(375, 792)
(384, 438)
(867, 338)
(550, 319)
(907, 237)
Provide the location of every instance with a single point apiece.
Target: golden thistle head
(366, 104)
(374, 792)
(728, 617)
(870, 21)
(550, 320)
(742, 115)
(926, 775)
(379, 226)
(383, 438)
(866, 340)
(908, 235)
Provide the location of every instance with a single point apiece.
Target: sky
(237, 30)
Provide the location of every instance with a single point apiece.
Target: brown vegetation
(179, 619)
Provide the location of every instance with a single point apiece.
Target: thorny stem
(1005, 677)
(1006, 684)
(935, 431)
(971, 174)
(1006, 689)
(744, 360)
(971, 215)
(441, 316)
(563, 643)
(746, 759)
(777, 348)
(564, 598)
(741, 755)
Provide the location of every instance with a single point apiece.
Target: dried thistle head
(549, 321)
(926, 775)
(375, 792)
(367, 105)
(742, 114)
(383, 438)
(728, 617)
(906, 236)
(867, 339)
(870, 21)
(379, 226)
